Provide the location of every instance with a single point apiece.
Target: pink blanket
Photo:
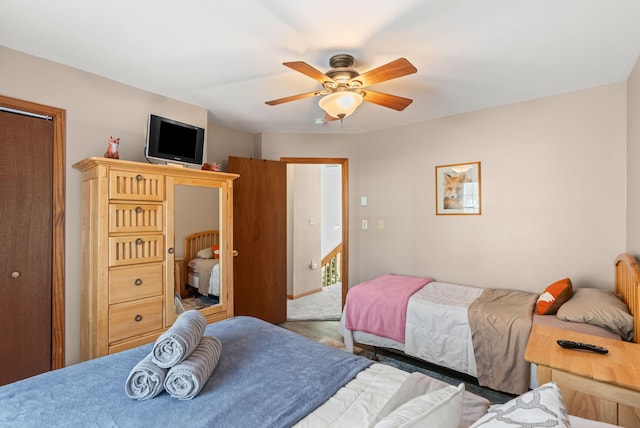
(379, 306)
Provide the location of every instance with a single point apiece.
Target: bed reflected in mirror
(197, 256)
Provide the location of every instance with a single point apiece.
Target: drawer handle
(139, 241)
(138, 210)
(138, 318)
(139, 177)
(138, 282)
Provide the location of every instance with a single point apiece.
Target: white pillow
(205, 253)
(441, 408)
(542, 406)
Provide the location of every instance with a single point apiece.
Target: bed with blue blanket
(256, 361)
(265, 376)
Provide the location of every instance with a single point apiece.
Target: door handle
(235, 253)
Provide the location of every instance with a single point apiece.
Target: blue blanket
(266, 377)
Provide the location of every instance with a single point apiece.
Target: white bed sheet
(437, 327)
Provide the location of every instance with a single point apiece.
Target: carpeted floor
(323, 305)
(411, 365)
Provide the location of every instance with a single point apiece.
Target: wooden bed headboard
(628, 287)
(196, 242)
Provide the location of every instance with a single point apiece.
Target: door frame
(58, 201)
(344, 163)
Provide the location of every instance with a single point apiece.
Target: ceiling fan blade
(386, 100)
(307, 70)
(292, 98)
(394, 69)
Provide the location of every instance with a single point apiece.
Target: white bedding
(437, 328)
(204, 274)
(359, 402)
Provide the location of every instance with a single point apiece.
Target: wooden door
(260, 237)
(26, 182)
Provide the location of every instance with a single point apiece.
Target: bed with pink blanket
(464, 328)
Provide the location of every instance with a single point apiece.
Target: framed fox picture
(458, 189)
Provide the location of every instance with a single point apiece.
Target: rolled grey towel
(178, 342)
(146, 380)
(185, 380)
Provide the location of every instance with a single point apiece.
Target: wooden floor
(315, 330)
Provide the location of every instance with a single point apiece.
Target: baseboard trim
(308, 293)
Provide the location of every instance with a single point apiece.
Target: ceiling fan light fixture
(340, 104)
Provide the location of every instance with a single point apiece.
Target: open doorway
(317, 247)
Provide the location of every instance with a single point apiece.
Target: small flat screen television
(171, 141)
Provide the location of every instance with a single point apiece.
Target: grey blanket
(185, 380)
(145, 380)
(500, 323)
(178, 342)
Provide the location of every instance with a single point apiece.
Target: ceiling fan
(343, 88)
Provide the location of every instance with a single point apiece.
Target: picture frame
(458, 189)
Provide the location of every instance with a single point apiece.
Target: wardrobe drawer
(134, 249)
(131, 185)
(135, 282)
(134, 318)
(137, 218)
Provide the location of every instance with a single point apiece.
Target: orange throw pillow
(216, 251)
(554, 296)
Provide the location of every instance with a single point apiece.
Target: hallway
(323, 305)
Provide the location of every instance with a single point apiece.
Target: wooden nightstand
(602, 387)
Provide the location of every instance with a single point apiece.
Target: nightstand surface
(604, 387)
(621, 366)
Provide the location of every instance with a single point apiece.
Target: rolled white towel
(178, 342)
(146, 380)
(185, 380)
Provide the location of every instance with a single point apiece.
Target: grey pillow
(598, 307)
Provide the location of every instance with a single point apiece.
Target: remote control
(579, 345)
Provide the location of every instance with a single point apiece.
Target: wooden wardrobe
(128, 248)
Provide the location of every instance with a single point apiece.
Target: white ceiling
(227, 55)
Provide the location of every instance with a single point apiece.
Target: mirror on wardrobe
(198, 271)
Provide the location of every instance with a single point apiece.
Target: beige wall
(196, 209)
(633, 157)
(224, 142)
(96, 108)
(304, 224)
(553, 194)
